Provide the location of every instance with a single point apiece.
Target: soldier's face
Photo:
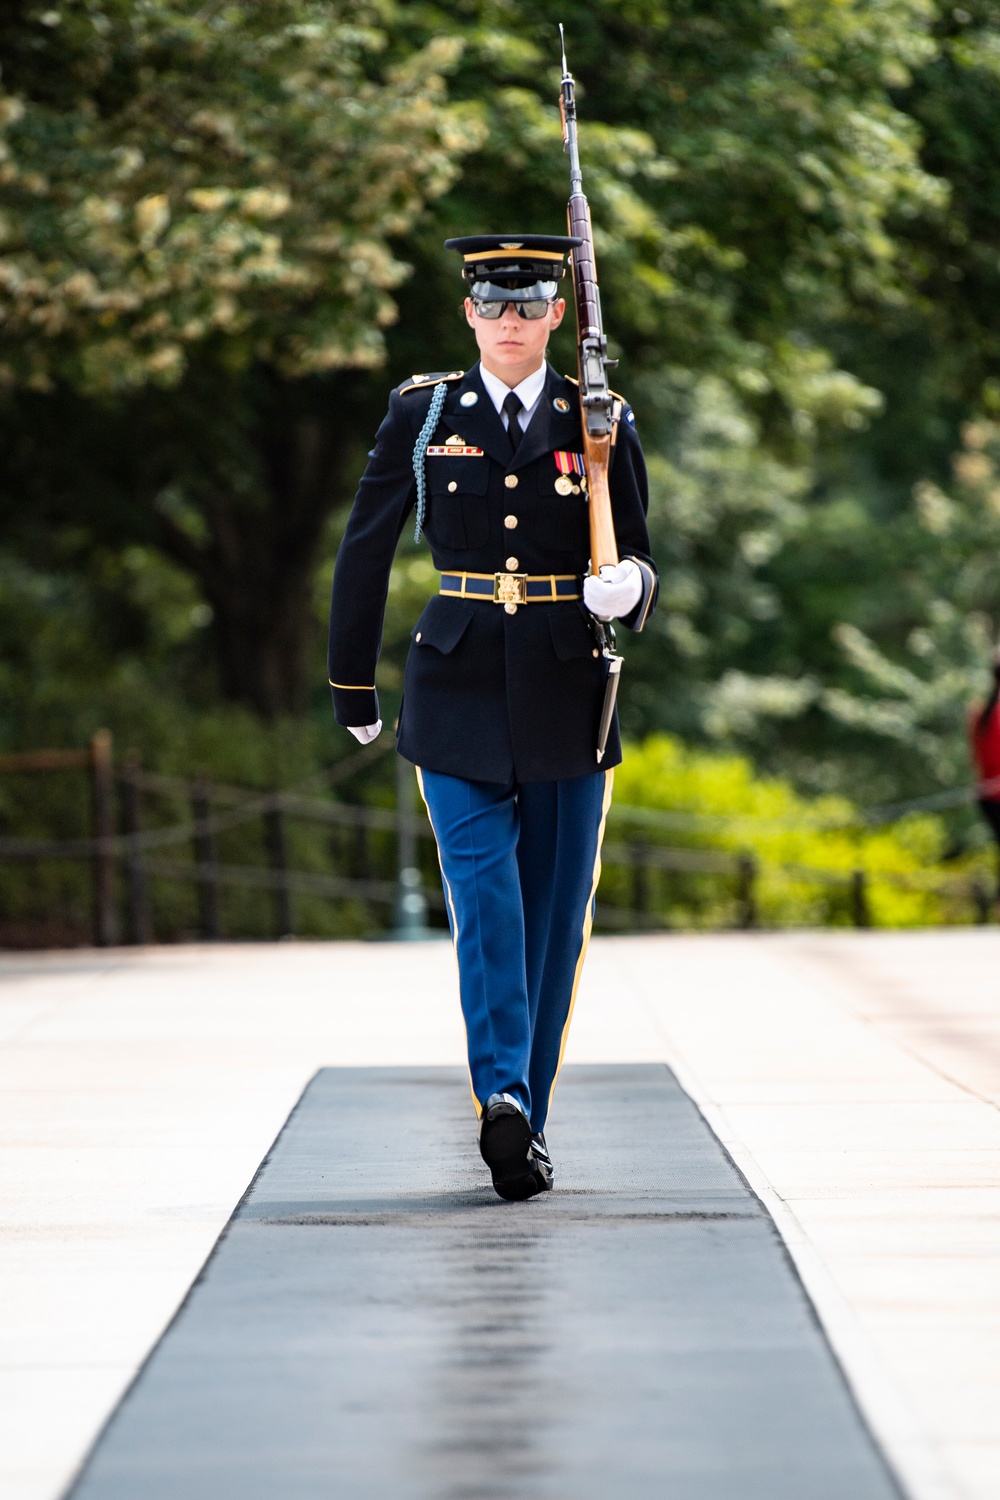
(511, 345)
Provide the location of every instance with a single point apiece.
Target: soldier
(504, 680)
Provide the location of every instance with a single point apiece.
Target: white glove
(365, 733)
(615, 593)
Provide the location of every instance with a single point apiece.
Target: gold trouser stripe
(351, 687)
(588, 922)
(454, 929)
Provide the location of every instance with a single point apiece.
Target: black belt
(512, 588)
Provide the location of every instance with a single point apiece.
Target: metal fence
(127, 850)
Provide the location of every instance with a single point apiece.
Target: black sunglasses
(493, 310)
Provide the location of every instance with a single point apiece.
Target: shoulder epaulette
(415, 382)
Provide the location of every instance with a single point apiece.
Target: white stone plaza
(854, 1078)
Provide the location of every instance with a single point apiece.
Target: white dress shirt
(529, 392)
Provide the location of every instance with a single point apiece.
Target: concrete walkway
(855, 1079)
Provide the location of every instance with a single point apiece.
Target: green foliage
(721, 507)
(919, 698)
(806, 849)
(212, 213)
(742, 161)
(178, 174)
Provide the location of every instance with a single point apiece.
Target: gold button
(510, 480)
(420, 637)
(595, 651)
(511, 565)
(452, 486)
(511, 609)
(510, 522)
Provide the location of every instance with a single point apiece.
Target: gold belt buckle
(510, 588)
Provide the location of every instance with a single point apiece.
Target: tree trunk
(264, 495)
(232, 475)
(265, 636)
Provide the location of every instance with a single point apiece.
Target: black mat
(375, 1323)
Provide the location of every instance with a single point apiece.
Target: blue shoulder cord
(420, 453)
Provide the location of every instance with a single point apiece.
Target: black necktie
(511, 406)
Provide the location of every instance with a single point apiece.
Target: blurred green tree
(209, 207)
(885, 600)
(918, 697)
(199, 208)
(209, 214)
(177, 175)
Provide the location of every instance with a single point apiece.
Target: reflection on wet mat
(375, 1323)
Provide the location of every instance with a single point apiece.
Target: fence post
(640, 881)
(746, 891)
(102, 804)
(981, 900)
(859, 899)
(204, 854)
(139, 923)
(411, 904)
(277, 858)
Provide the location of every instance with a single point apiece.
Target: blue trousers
(520, 867)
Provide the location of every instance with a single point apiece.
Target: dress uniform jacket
(489, 694)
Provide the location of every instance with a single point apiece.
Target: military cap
(513, 267)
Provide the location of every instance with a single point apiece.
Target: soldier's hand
(615, 593)
(365, 733)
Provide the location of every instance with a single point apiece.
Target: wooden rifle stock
(597, 462)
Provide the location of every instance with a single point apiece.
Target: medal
(571, 473)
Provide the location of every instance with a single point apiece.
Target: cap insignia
(511, 245)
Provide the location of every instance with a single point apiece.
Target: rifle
(596, 400)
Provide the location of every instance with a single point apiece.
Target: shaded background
(220, 245)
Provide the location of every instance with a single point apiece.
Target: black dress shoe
(539, 1154)
(505, 1145)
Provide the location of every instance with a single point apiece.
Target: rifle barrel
(596, 401)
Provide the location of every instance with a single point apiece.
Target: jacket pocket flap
(442, 624)
(571, 635)
(470, 476)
